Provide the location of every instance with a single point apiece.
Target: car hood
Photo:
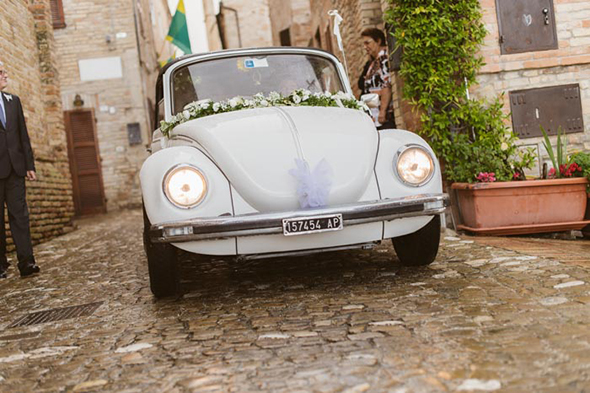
(257, 150)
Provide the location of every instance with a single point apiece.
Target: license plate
(302, 226)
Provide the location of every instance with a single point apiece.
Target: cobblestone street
(495, 314)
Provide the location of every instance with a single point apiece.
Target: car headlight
(414, 165)
(185, 186)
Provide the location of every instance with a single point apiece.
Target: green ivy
(440, 62)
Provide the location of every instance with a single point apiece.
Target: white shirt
(2, 105)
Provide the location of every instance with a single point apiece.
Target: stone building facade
(108, 59)
(259, 23)
(27, 48)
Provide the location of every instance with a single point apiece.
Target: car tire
(162, 264)
(419, 248)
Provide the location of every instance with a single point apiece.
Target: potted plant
(582, 159)
(493, 207)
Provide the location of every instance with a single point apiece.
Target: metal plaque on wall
(547, 107)
(526, 25)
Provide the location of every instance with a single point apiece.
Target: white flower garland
(300, 97)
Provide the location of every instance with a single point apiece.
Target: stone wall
(106, 29)
(27, 49)
(254, 23)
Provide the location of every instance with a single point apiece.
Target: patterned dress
(377, 78)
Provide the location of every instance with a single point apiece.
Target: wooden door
(85, 164)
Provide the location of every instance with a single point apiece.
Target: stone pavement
(491, 314)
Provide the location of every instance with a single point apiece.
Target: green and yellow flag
(178, 32)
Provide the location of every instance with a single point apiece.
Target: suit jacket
(15, 147)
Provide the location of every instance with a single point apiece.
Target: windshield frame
(167, 79)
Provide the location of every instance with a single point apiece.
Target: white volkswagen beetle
(264, 153)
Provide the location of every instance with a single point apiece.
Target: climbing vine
(440, 41)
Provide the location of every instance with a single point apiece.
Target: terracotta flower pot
(520, 207)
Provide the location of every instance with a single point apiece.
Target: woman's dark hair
(375, 34)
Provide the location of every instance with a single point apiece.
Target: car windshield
(245, 76)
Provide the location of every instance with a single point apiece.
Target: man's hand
(31, 175)
(382, 118)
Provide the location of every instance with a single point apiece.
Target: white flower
(205, 104)
(236, 101)
(327, 94)
(216, 107)
(296, 99)
(249, 103)
(264, 103)
(504, 146)
(274, 96)
(259, 96)
(186, 115)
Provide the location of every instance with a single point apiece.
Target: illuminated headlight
(185, 186)
(415, 165)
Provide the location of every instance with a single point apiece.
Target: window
(224, 78)
(285, 36)
(57, 14)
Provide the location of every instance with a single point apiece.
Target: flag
(178, 32)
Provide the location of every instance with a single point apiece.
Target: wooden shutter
(85, 162)
(57, 14)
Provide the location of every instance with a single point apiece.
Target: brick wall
(100, 29)
(27, 49)
(568, 64)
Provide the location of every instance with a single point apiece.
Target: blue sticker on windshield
(255, 63)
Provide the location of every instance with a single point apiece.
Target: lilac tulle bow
(313, 187)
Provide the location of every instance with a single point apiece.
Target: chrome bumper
(272, 223)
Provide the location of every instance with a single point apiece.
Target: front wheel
(162, 264)
(419, 248)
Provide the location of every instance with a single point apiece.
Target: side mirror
(371, 99)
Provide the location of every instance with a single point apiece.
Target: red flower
(486, 177)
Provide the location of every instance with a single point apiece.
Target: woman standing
(375, 77)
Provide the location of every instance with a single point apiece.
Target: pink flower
(486, 177)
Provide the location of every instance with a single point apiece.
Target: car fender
(390, 185)
(216, 203)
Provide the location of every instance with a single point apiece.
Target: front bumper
(210, 228)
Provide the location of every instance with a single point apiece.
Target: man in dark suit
(16, 163)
